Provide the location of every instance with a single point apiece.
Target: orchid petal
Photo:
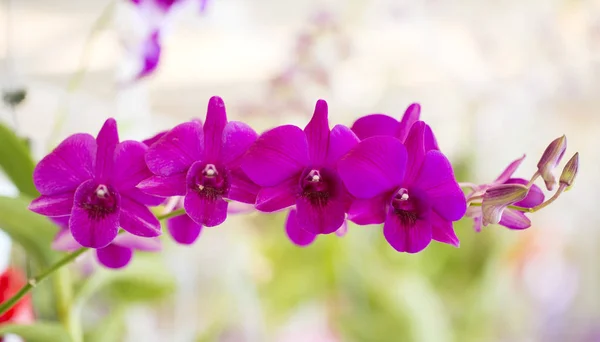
(130, 166)
(93, 231)
(55, 205)
(341, 140)
(436, 178)
(147, 244)
(497, 198)
(165, 186)
(374, 125)
(514, 219)
(205, 211)
(64, 169)
(297, 235)
(276, 155)
(237, 139)
(137, 219)
(407, 238)
(242, 188)
(278, 197)
(216, 119)
(107, 141)
(508, 172)
(114, 256)
(368, 211)
(442, 230)
(317, 134)
(177, 150)
(534, 197)
(320, 218)
(411, 115)
(64, 241)
(183, 229)
(375, 165)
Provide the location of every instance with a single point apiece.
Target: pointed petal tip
(569, 172)
(216, 101)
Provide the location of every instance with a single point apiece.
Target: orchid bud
(570, 171)
(497, 198)
(551, 157)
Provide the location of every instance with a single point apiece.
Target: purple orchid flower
(381, 124)
(297, 167)
(202, 164)
(511, 218)
(94, 182)
(116, 255)
(411, 189)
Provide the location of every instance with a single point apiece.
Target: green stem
(67, 259)
(523, 209)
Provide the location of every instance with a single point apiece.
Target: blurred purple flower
(148, 49)
(510, 218)
(299, 168)
(411, 189)
(116, 255)
(93, 181)
(202, 164)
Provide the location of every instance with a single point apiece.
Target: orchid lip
(100, 202)
(317, 185)
(209, 180)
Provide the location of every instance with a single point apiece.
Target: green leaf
(32, 231)
(16, 161)
(38, 332)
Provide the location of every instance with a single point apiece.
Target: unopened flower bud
(497, 198)
(570, 171)
(551, 157)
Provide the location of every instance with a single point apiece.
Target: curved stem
(67, 259)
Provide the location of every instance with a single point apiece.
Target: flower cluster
(379, 171)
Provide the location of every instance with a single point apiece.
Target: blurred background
(495, 79)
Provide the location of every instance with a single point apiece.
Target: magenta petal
(137, 219)
(55, 205)
(237, 138)
(142, 197)
(368, 211)
(374, 166)
(205, 211)
(317, 134)
(88, 230)
(183, 229)
(508, 172)
(64, 241)
(150, 141)
(534, 197)
(430, 141)
(278, 197)
(114, 256)
(436, 178)
(107, 141)
(407, 238)
(442, 230)
(165, 186)
(70, 164)
(415, 148)
(297, 235)
(320, 219)
(411, 115)
(176, 150)
(514, 219)
(216, 119)
(130, 165)
(148, 244)
(242, 188)
(374, 125)
(276, 155)
(341, 140)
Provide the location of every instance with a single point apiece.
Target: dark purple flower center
(100, 202)
(318, 186)
(410, 207)
(210, 182)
